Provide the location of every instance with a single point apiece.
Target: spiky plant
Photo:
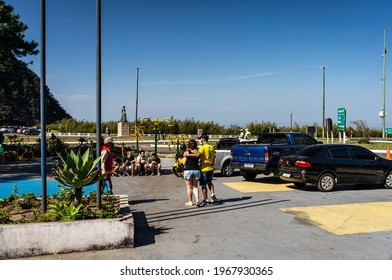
(77, 171)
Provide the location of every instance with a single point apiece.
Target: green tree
(12, 39)
(20, 86)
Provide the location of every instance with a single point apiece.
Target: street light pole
(98, 96)
(323, 101)
(384, 85)
(42, 105)
(136, 111)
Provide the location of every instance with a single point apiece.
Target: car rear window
(310, 151)
(273, 139)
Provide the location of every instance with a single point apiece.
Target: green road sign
(388, 130)
(341, 118)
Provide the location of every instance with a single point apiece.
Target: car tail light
(301, 163)
(266, 154)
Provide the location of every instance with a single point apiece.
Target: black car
(329, 164)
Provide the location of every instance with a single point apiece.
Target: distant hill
(20, 98)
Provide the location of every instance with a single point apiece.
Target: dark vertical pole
(42, 104)
(323, 101)
(98, 43)
(136, 111)
(156, 140)
(384, 82)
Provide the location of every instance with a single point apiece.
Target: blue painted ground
(33, 186)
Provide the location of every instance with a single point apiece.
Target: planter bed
(23, 240)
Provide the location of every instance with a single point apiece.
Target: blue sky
(231, 62)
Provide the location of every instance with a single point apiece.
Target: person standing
(247, 134)
(107, 163)
(242, 134)
(192, 172)
(207, 158)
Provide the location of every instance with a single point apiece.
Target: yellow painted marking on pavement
(347, 218)
(246, 187)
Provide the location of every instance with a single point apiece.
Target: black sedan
(329, 164)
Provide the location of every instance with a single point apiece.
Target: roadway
(261, 220)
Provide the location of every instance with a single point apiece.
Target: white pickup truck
(223, 155)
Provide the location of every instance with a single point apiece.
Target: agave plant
(77, 171)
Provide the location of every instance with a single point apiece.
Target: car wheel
(299, 185)
(388, 181)
(249, 176)
(227, 169)
(326, 182)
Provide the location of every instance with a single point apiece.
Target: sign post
(342, 122)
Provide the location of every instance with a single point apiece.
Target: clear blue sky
(225, 61)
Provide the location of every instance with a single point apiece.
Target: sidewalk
(164, 227)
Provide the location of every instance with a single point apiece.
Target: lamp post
(156, 122)
(323, 101)
(42, 105)
(136, 111)
(383, 112)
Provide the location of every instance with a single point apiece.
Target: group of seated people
(141, 165)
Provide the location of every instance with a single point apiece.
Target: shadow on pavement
(208, 209)
(140, 201)
(144, 234)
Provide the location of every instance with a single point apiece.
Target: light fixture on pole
(156, 122)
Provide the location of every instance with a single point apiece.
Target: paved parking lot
(264, 219)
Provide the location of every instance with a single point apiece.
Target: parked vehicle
(31, 131)
(223, 155)
(263, 157)
(330, 164)
(8, 129)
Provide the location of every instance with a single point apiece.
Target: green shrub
(364, 141)
(5, 216)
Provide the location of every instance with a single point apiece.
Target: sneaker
(200, 204)
(205, 201)
(213, 198)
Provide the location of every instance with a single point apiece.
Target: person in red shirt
(107, 163)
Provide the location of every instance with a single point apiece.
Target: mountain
(20, 98)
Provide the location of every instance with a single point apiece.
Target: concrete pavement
(249, 223)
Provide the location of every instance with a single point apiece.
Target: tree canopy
(20, 86)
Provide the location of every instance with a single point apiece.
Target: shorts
(192, 174)
(206, 177)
